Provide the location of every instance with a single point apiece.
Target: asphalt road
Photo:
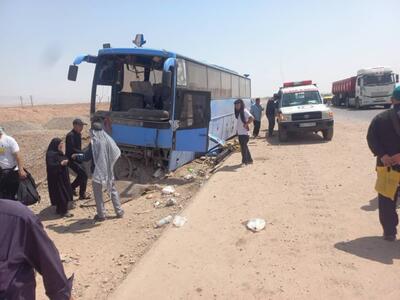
(349, 114)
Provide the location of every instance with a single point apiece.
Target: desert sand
(322, 238)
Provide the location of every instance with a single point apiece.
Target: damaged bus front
(152, 122)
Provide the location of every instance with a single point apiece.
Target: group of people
(102, 152)
(245, 117)
(60, 157)
(383, 140)
(25, 245)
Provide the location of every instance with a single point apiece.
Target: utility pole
(22, 101)
(31, 100)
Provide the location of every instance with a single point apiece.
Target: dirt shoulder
(322, 238)
(98, 254)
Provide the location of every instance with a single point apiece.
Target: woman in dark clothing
(58, 182)
(244, 119)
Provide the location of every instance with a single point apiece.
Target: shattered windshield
(378, 79)
(301, 98)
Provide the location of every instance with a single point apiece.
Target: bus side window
(193, 109)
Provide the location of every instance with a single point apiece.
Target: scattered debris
(157, 204)
(149, 196)
(179, 221)
(189, 177)
(256, 225)
(171, 202)
(164, 221)
(168, 190)
(201, 173)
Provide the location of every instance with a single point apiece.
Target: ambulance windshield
(301, 98)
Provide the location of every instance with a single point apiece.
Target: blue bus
(165, 108)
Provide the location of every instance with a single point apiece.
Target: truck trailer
(371, 87)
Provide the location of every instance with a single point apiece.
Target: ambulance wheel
(282, 135)
(327, 134)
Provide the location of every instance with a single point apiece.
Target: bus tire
(282, 135)
(327, 134)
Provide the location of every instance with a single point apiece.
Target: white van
(301, 108)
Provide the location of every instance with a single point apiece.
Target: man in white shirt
(11, 166)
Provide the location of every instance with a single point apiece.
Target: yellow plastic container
(387, 182)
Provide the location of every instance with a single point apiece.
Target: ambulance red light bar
(297, 83)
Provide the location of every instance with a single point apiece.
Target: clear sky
(273, 41)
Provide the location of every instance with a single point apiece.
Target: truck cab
(301, 109)
(374, 86)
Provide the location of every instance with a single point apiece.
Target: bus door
(193, 114)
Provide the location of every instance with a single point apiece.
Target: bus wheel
(282, 134)
(327, 134)
(123, 168)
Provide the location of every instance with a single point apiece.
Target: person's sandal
(99, 219)
(85, 197)
(67, 215)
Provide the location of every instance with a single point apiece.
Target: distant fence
(32, 100)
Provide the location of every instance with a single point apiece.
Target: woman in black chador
(58, 182)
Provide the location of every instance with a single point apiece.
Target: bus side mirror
(397, 78)
(167, 79)
(72, 72)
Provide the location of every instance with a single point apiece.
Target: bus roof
(162, 53)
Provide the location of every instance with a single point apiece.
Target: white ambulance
(301, 109)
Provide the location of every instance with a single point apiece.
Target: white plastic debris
(189, 177)
(256, 225)
(168, 190)
(164, 221)
(170, 202)
(157, 204)
(179, 221)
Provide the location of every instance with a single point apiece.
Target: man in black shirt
(73, 145)
(384, 141)
(270, 112)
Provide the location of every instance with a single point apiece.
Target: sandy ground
(322, 239)
(98, 254)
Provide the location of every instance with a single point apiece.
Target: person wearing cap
(384, 141)
(11, 166)
(103, 153)
(73, 145)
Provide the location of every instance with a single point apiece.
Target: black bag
(27, 193)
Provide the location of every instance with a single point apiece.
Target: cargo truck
(370, 87)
